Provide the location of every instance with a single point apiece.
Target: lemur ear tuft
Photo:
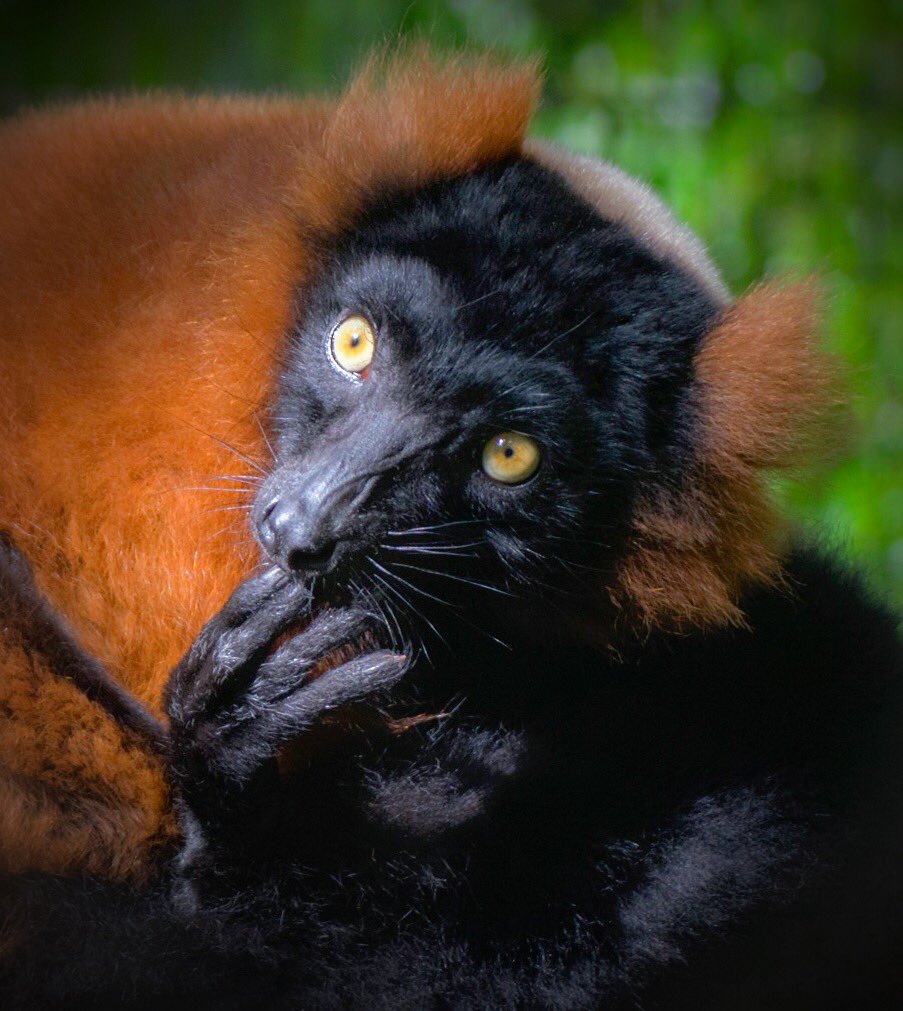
(764, 384)
(410, 118)
(762, 391)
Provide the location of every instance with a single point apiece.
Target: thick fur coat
(151, 251)
(654, 799)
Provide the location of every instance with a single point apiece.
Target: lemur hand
(239, 693)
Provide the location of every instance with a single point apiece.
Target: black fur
(709, 820)
(500, 302)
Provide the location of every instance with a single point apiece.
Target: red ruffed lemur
(514, 690)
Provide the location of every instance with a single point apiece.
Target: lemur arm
(44, 632)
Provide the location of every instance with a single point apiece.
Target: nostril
(303, 559)
(266, 528)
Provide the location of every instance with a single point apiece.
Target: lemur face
(484, 373)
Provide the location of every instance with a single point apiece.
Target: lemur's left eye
(510, 457)
(352, 345)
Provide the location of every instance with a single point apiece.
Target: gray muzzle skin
(309, 511)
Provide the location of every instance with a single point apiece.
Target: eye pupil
(509, 452)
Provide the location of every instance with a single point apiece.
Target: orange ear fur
(409, 118)
(761, 392)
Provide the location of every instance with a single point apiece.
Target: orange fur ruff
(762, 387)
(151, 249)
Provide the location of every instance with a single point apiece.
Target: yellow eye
(510, 457)
(352, 345)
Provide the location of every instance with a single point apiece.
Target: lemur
(523, 695)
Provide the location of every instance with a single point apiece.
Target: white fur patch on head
(619, 197)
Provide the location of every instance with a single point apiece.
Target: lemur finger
(251, 595)
(283, 672)
(255, 597)
(330, 629)
(239, 653)
(363, 675)
(236, 640)
(245, 598)
(260, 725)
(259, 609)
(261, 627)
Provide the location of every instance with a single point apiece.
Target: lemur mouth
(313, 562)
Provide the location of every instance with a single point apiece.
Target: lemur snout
(310, 515)
(295, 538)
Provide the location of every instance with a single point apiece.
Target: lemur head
(486, 367)
(527, 379)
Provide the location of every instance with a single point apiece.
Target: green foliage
(772, 127)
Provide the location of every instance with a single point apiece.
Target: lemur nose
(296, 537)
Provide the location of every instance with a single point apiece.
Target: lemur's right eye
(352, 345)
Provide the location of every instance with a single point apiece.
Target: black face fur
(500, 302)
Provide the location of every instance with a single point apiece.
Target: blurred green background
(774, 129)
